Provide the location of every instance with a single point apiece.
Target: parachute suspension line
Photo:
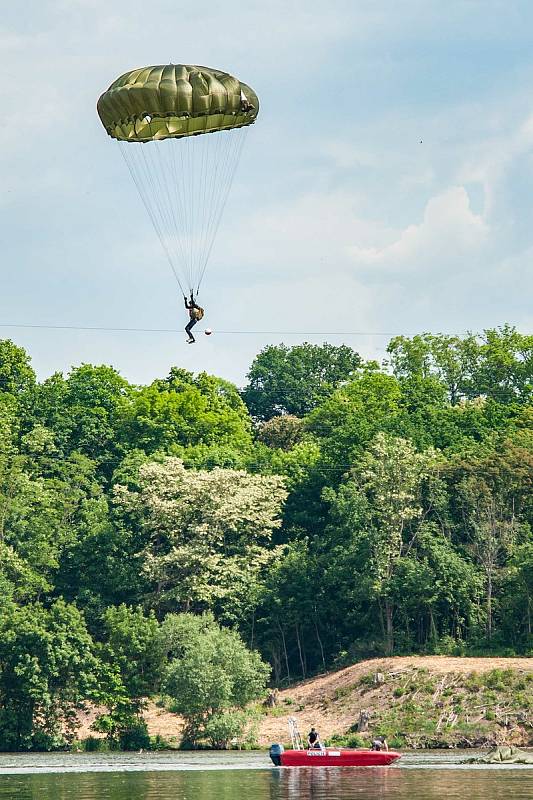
(156, 169)
(232, 163)
(204, 178)
(214, 154)
(182, 184)
(185, 193)
(135, 177)
(217, 173)
(177, 203)
(149, 185)
(192, 191)
(156, 183)
(149, 181)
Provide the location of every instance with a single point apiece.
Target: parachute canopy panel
(174, 101)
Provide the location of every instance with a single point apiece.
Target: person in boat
(196, 313)
(380, 743)
(313, 740)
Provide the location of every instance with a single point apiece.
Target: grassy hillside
(417, 702)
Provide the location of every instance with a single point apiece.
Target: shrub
(93, 744)
(134, 737)
(223, 728)
(346, 740)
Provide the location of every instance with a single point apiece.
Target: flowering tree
(209, 532)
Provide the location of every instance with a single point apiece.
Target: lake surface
(249, 776)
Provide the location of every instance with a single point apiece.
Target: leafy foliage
(333, 510)
(210, 673)
(293, 380)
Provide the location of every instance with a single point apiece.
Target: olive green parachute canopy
(157, 116)
(173, 101)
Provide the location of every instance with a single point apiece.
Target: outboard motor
(275, 754)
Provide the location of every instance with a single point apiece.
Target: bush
(213, 672)
(159, 743)
(346, 740)
(42, 741)
(225, 727)
(135, 737)
(93, 744)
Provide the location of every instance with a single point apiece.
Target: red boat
(299, 756)
(332, 757)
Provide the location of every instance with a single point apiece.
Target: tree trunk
(285, 652)
(252, 631)
(433, 636)
(276, 664)
(389, 628)
(489, 606)
(302, 662)
(320, 643)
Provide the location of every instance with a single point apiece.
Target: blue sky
(386, 186)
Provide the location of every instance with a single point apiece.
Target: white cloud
(449, 231)
(338, 206)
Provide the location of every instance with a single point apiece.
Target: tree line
(191, 540)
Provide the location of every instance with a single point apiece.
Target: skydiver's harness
(196, 313)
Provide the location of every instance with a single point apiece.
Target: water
(249, 776)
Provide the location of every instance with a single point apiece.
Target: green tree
(448, 359)
(498, 365)
(294, 380)
(133, 646)
(209, 532)
(16, 373)
(491, 511)
(84, 412)
(186, 411)
(47, 671)
(347, 421)
(390, 480)
(517, 600)
(210, 674)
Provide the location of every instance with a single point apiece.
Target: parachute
(161, 117)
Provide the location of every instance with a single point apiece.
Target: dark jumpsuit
(190, 306)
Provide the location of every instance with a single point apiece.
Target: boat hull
(337, 757)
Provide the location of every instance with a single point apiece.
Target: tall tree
(390, 479)
(294, 380)
(186, 411)
(47, 671)
(16, 372)
(209, 533)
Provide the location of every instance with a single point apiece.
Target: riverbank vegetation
(334, 510)
(415, 701)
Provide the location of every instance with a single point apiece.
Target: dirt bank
(425, 700)
(417, 701)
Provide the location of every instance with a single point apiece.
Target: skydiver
(196, 313)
